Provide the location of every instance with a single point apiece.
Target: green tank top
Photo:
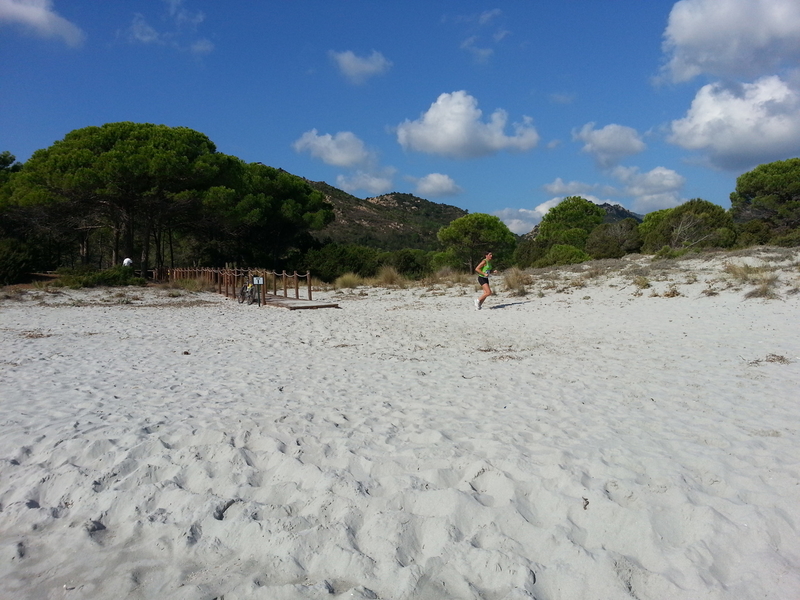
(486, 269)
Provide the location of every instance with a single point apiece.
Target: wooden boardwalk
(295, 303)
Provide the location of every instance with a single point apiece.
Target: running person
(483, 269)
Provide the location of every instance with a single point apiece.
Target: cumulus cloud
(653, 190)
(562, 188)
(436, 185)
(372, 183)
(740, 126)
(452, 127)
(344, 149)
(38, 16)
(610, 144)
(358, 69)
(656, 189)
(519, 220)
(731, 38)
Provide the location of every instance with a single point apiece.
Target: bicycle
(248, 292)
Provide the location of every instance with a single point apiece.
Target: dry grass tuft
(348, 281)
(765, 287)
(188, 285)
(745, 273)
(516, 280)
(447, 277)
(389, 277)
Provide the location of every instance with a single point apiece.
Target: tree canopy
(570, 222)
(142, 188)
(697, 223)
(471, 236)
(770, 192)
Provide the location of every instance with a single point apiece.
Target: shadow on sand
(507, 304)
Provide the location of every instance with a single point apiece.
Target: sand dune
(593, 439)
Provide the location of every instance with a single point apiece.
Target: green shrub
(87, 277)
(530, 251)
(614, 240)
(15, 261)
(333, 260)
(562, 254)
(667, 252)
(787, 240)
(411, 262)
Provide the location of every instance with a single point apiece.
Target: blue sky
(495, 107)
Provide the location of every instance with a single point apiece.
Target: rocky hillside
(390, 222)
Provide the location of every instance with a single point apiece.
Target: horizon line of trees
(165, 197)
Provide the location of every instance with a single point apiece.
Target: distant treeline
(165, 197)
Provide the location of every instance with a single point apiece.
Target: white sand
(577, 443)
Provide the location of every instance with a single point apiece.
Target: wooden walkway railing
(229, 281)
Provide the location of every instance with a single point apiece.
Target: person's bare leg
(487, 291)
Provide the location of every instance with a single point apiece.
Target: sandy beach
(622, 431)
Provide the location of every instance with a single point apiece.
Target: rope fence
(229, 281)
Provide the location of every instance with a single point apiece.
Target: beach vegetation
(769, 193)
(472, 236)
(562, 254)
(766, 284)
(189, 285)
(160, 195)
(614, 240)
(348, 281)
(87, 276)
(448, 277)
(16, 261)
(529, 251)
(334, 260)
(570, 222)
(388, 276)
(517, 281)
(694, 224)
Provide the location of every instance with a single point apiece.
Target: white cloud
(610, 144)
(653, 190)
(369, 182)
(731, 38)
(184, 24)
(656, 189)
(344, 149)
(436, 185)
(452, 127)
(141, 31)
(202, 46)
(741, 126)
(488, 16)
(562, 98)
(358, 69)
(182, 16)
(481, 55)
(573, 188)
(519, 220)
(39, 16)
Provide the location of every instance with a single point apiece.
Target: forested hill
(389, 222)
